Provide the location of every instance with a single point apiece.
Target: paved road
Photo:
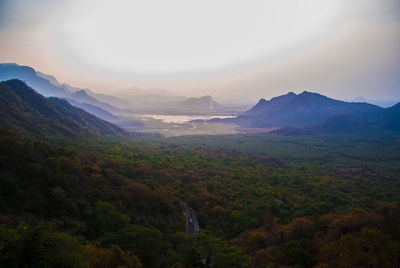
(192, 226)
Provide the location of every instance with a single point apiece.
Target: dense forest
(92, 195)
(111, 201)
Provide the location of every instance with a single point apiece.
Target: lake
(179, 119)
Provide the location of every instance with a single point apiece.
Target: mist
(237, 51)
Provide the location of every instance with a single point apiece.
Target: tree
(368, 248)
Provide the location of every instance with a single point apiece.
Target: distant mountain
(24, 110)
(114, 101)
(264, 107)
(381, 103)
(48, 86)
(199, 105)
(305, 109)
(55, 82)
(28, 75)
(379, 120)
(123, 104)
(385, 103)
(97, 111)
(151, 100)
(124, 122)
(82, 97)
(164, 102)
(391, 118)
(135, 91)
(384, 119)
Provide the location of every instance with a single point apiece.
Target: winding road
(192, 226)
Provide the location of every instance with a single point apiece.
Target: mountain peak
(307, 108)
(81, 93)
(312, 96)
(310, 93)
(11, 69)
(8, 64)
(286, 97)
(15, 83)
(207, 97)
(202, 104)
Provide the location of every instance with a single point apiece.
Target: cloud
(259, 48)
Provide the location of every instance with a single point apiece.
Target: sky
(230, 49)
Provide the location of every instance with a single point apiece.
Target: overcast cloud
(229, 49)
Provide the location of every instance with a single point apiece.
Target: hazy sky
(234, 48)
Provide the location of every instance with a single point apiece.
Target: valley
(200, 134)
(262, 197)
(178, 125)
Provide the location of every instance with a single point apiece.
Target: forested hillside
(260, 200)
(251, 208)
(23, 110)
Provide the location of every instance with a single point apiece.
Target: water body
(179, 119)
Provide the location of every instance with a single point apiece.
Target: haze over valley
(210, 133)
(157, 110)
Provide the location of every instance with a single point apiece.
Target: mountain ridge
(300, 110)
(26, 111)
(48, 86)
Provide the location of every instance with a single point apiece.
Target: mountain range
(130, 101)
(161, 101)
(382, 103)
(291, 113)
(310, 112)
(25, 111)
(48, 86)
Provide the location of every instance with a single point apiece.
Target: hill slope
(97, 111)
(24, 110)
(391, 118)
(384, 119)
(48, 86)
(305, 109)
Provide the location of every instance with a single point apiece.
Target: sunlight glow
(185, 35)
